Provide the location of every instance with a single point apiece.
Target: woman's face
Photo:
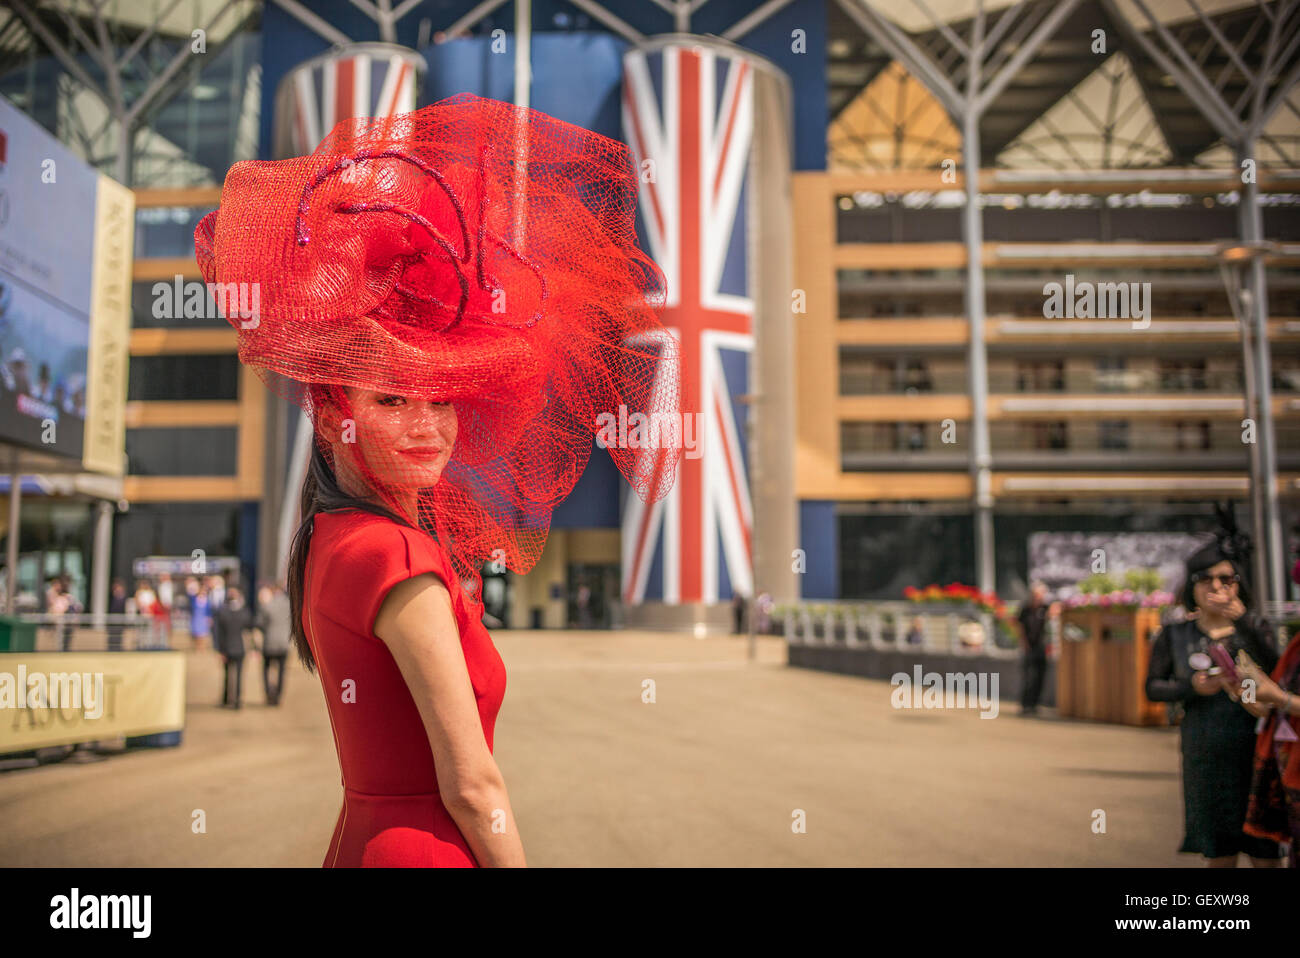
(405, 441)
(1219, 589)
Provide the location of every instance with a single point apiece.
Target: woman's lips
(424, 452)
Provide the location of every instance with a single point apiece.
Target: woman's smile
(423, 452)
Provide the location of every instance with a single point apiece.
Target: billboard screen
(55, 306)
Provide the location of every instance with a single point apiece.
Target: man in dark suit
(116, 606)
(228, 625)
(1033, 618)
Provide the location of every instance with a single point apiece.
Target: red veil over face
(471, 254)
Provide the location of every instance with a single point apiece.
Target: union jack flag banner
(366, 79)
(688, 115)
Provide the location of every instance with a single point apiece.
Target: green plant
(1099, 583)
(1143, 580)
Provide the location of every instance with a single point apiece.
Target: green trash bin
(17, 635)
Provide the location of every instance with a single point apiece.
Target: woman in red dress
(457, 300)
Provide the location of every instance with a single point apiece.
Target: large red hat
(473, 253)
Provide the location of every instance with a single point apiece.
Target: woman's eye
(391, 400)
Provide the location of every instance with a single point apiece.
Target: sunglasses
(1232, 579)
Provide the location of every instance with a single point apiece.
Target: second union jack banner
(366, 79)
(688, 115)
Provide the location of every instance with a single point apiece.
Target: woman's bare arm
(416, 622)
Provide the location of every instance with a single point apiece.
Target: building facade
(1096, 171)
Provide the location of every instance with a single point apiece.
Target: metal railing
(888, 625)
(105, 632)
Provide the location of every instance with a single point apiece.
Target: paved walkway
(710, 774)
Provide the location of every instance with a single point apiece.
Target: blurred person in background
(167, 596)
(200, 617)
(58, 603)
(765, 606)
(116, 606)
(216, 592)
(145, 601)
(273, 619)
(916, 632)
(583, 603)
(44, 390)
(1218, 736)
(1033, 617)
(228, 626)
(160, 620)
(74, 604)
(19, 373)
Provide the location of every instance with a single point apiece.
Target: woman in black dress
(1218, 736)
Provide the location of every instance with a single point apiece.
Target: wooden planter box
(1102, 678)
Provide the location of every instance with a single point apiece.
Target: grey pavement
(714, 772)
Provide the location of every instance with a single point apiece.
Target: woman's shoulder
(360, 525)
(361, 557)
(362, 543)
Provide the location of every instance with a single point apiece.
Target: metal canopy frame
(386, 17)
(124, 112)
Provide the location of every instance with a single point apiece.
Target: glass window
(165, 231)
(1112, 374)
(172, 377)
(145, 302)
(175, 529)
(1112, 434)
(182, 451)
(1049, 435)
(1040, 376)
(880, 554)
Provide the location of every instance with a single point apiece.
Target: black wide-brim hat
(1228, 545)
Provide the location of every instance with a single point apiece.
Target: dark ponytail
(320, 493)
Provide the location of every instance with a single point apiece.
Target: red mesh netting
(463, 279)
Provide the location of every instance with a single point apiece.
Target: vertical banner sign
(688, 115)
(110, 329)
(364, 79)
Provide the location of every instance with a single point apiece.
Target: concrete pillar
(773, 434)
(101, 560)
(981, 457)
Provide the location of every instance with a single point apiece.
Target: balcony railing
(950, 379)
(1089, 444)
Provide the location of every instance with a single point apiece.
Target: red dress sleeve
(366, 563)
